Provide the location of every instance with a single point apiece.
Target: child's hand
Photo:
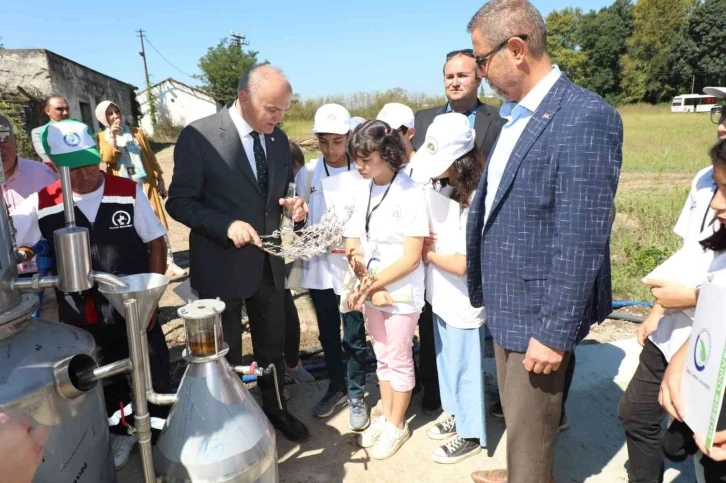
(382, 299)
(671, 295)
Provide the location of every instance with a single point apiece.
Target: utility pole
(149, 95)
(693, 84)
(239, 40)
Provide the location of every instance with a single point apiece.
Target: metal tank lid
(200, 309)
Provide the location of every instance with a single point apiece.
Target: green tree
(647, 74)
(222, 66)
(604, 37)
(564, 43)
(699, 58)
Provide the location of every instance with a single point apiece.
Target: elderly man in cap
(126, 238)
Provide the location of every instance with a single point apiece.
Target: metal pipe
(70, 214)
(110, 370)
(108, 278)
(141, 411)
(151, 396)
(34, 283)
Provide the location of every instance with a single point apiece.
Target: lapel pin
(546, 115)
(272, 139)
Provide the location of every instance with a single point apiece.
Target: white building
(178, 103)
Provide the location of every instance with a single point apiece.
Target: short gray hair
(257, 74)
(500, 20)
(6, 121)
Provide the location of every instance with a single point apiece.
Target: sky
(325, 47)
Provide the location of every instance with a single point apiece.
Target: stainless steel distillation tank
(215, 432)
(40, 361)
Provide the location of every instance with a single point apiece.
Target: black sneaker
(456, 450)
(443, 430)
(496, 410)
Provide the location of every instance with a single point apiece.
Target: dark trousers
(354, 342)
(642, 417)
(532, 406)
(112, 345)
(266, 311)
(292, 331)
(426, 372)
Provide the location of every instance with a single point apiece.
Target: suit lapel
(270, 147)
(481, 124)
(233, 151)
(536, 125)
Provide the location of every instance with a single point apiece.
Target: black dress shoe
(288, 425)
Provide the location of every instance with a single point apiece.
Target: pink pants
(392, 338)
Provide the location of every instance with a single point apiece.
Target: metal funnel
(146, 288)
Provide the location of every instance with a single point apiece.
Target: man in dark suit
(461, 84)
(538, 233)
(231, 171)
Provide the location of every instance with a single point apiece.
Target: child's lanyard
(369, 211)
(705, 215)
(325, 165)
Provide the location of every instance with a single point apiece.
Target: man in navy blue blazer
(538, 231)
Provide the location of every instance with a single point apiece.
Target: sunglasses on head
(466, 52)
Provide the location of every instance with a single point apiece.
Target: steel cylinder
(73, 258)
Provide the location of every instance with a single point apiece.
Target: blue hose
(630, 303)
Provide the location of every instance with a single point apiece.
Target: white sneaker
(369, 437)
(390, 441)
(175, 270)
(121, 447)
(299, 374)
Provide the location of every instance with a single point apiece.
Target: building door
(86, 115)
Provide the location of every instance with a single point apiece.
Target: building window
(86, 116)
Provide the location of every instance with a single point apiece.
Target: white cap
(448, 138)
(331, 119)
(715, 91)
(396, 115)
(355, 122)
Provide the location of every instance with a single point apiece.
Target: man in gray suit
(231, 171)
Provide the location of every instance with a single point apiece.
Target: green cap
(70, 143)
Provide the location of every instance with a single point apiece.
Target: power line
(167, 60)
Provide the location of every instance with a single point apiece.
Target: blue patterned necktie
(260, 162)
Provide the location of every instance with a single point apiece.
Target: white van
(693, 103)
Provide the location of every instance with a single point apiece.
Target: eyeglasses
(485, 57)
(466, 52)
(718, 114)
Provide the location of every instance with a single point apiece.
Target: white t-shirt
(674, 327)
(325, 271)
(146, 223)
(400, 213)
(448, 293)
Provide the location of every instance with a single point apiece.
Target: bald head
(8, 148)
(57, 108)
(262, 74)
(263, 96)
(5, 122)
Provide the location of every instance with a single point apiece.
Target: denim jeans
(354, 342)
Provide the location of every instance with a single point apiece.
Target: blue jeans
(354, 342)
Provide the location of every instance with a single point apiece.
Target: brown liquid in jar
(204, 346)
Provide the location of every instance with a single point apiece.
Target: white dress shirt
(245, 134)
(517, 116)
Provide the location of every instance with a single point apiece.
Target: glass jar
(203, 327)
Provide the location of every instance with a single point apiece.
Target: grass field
(661, 154)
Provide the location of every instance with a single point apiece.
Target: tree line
(643, 52)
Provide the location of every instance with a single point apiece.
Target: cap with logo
(715, 91)
(448, 138)
(331, 119)
(69, 143)
(396, 115)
